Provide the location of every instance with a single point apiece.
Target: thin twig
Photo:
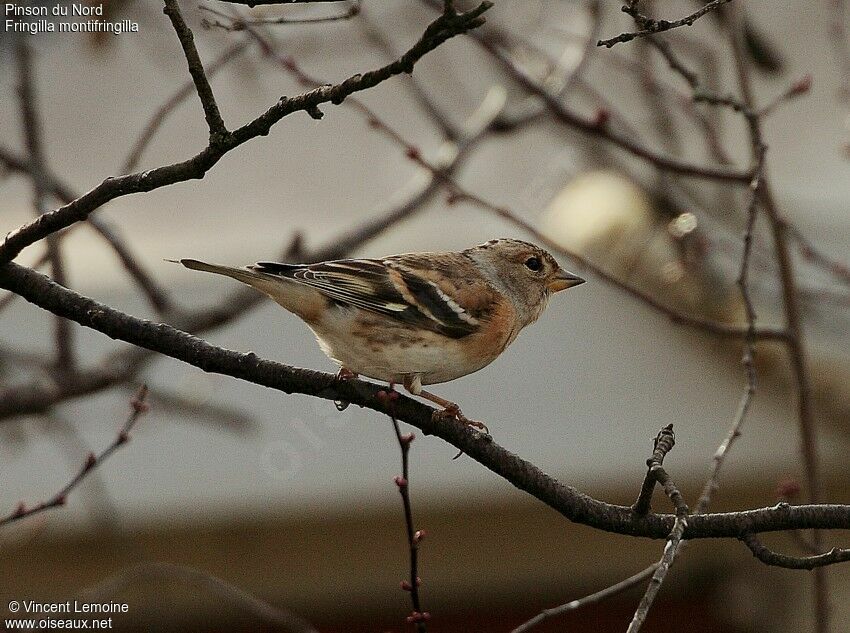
(795, 342)
(650, 26)
(810, 251)
(414, 537)
(138, 407)
(670, 551)
(592, 126)
(664, 442)
(196, 70)
(840, 40)
(207, 413)
(155, 294)
(599, 596)
(748, 355)
(702, 94)
(379, 38)
(769, 557)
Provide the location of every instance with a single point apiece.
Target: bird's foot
(453, 411)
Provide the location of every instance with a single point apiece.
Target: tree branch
(664, 442)
(156, 120)
(795, 342)
(138, 407)
(593, 127)
(593, 598)
(769, 557)
(196, 70)
(441, 29)
(650, 26)
(414, 537)
(572, 504)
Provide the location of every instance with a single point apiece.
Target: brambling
(414, 319)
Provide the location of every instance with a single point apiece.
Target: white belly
(391, 354)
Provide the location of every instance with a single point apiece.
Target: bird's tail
(299, 299)
(273, 286)
(244, 275)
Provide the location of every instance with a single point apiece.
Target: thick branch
(571, 503)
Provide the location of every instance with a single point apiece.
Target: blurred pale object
(611, 221)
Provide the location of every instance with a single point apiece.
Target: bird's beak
(562, 280)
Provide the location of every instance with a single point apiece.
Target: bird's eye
(533, 263)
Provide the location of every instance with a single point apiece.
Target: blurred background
(228, 487)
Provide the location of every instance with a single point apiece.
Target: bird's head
(525, 273)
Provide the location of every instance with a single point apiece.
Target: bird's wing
(394, 287)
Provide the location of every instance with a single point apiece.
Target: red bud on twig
(603, 115)
(801, 86)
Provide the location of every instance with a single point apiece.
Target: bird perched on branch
(414, 319)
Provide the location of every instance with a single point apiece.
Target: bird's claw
(454, 412)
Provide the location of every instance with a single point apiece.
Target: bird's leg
(414, 385)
